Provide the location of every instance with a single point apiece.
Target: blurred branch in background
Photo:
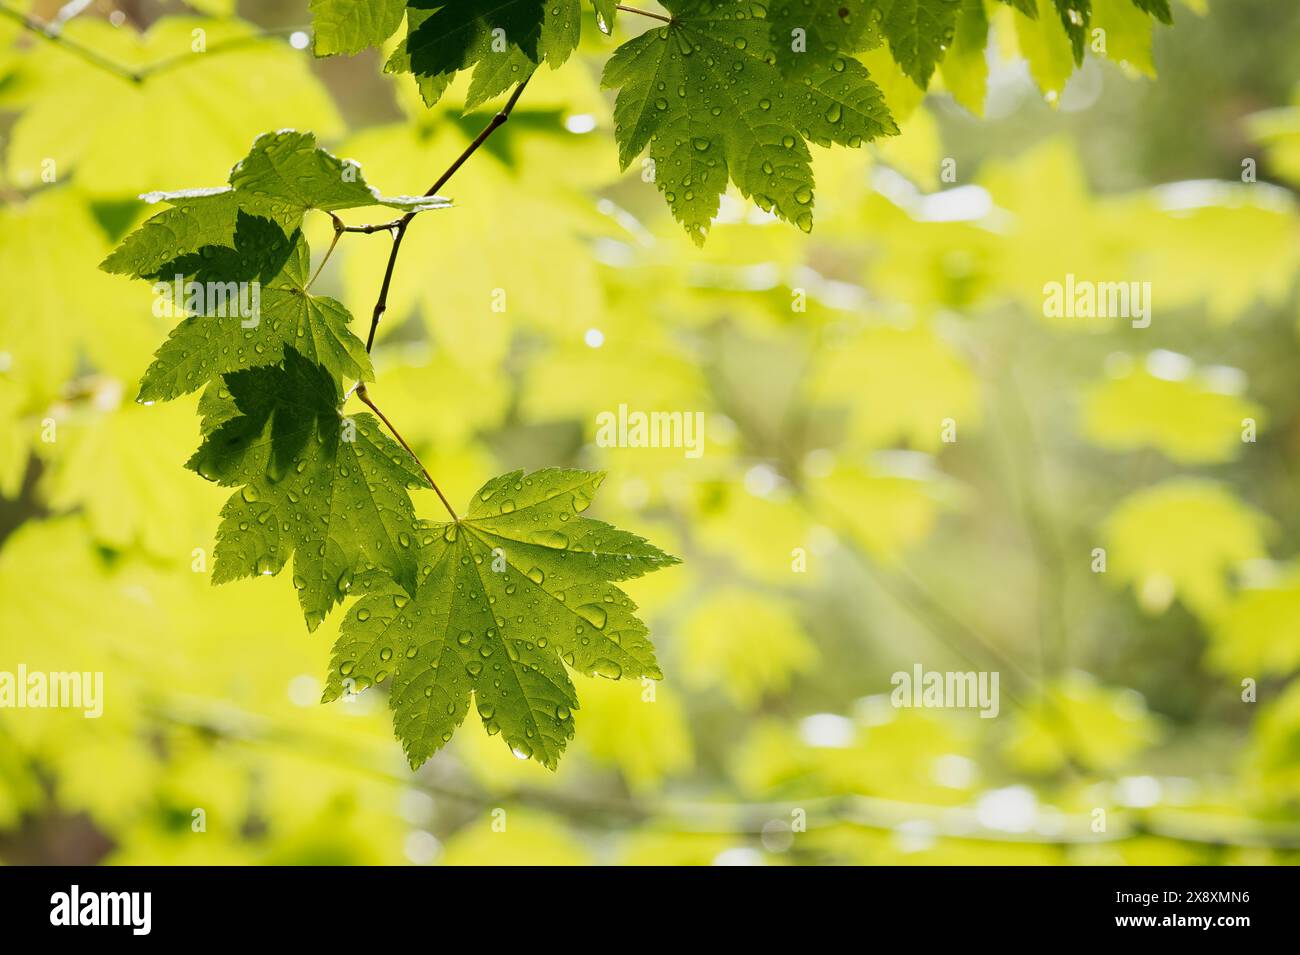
(136, 74)
(746, 818)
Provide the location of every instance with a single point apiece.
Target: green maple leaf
(606, 11)
(1028, 7)
(503, 42)
(220, 339)
(328, 489)
(1075, 16)
(1157, 8)
(508, 595)
(195, 220)
(284, 175)
(431, 86)
(349, 26)
(842, 27)
(919, 31)
(710, 96)
(832, 84)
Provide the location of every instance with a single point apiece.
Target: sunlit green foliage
(331, 489)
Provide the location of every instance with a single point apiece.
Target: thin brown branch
(399, 227)
(399, 230)
(376, 227)
(724, 816)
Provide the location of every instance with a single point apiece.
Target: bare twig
(399, 226)
(376, 227)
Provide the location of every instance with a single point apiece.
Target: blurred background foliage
(831, 536)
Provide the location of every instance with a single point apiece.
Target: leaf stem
(55, 36)
(339, 229)
(644, 13)
(369, 403)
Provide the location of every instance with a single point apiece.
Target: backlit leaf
(509, 594)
